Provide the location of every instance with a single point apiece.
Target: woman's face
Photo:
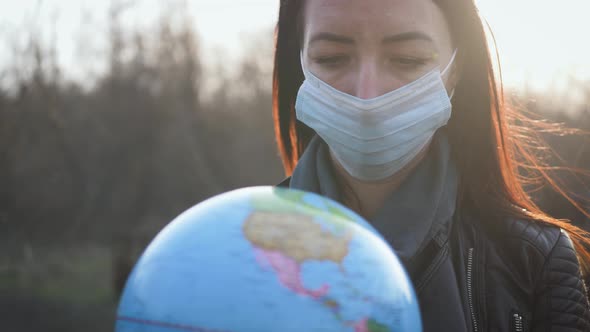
(367, 48)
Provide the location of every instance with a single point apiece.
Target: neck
(365, 198)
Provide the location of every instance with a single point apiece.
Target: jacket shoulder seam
(543, 232)
(547, 258)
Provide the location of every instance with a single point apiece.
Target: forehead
(357, 15)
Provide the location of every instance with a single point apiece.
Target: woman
(392, 107)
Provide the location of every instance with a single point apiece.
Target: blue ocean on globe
(267, 259)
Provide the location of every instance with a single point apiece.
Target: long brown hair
(489, 148)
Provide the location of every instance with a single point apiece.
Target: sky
(542, 43)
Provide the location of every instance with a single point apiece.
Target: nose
(372, 82)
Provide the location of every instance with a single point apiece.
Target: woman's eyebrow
(402, 37)
(331, 37)
(407, 36)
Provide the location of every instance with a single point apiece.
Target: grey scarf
(421, 207)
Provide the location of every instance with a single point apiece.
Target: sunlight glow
(543, 44)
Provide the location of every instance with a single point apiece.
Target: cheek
(344, 82)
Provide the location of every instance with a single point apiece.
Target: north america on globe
(285, 241)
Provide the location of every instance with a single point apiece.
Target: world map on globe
(268, 260)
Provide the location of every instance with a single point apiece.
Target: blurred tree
(108, 164)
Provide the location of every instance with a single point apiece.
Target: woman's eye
(331, 61)
(409, 62)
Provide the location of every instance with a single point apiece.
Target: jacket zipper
(517, 322)
(470, 288)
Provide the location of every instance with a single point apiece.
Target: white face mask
(375, 138)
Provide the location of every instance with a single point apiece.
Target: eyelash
(331, 61)
(410, 62)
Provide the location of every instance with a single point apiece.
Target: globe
(267, 259)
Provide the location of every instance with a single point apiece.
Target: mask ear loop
(302, 61)
(444, 72)
(306, 73)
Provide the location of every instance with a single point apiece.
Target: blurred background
(116, 116)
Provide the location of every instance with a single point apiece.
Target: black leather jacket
(513, 276)
(518, 276)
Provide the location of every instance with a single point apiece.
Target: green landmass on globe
(294, 200)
